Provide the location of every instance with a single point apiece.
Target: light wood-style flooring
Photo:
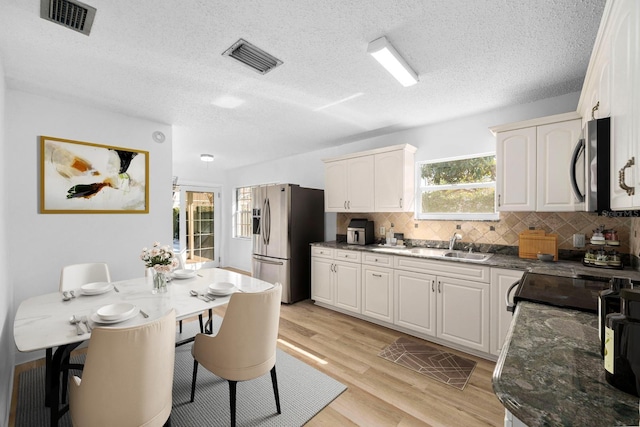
(379, 393)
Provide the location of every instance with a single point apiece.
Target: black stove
(577, 293)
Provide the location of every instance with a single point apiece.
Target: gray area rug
(304, 391)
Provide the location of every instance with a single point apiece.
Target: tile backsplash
(504, 231)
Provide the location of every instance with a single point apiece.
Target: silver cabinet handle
(433, 286)
(376, 275)
(345, 204)
(498, 200)
(400, 201)
(630, 190)
(348, 204)
(439, 287)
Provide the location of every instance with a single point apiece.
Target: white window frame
(237, 212)
(454, 215)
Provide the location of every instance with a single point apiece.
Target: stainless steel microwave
(590, 168)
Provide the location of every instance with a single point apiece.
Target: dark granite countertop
(558, 268)
(550, 372)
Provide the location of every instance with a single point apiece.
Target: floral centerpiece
(162, 260)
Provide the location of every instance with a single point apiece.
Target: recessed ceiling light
(206, 157)
(227, 102)
(391, 60)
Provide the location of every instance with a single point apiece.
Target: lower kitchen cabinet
(463, 312)
(501, 280)
(336, 278)
(377, 292)
(415, 301)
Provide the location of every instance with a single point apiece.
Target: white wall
(466, 135)
(42, 243)
(6, 289)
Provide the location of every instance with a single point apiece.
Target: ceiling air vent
(71, 14)
(251, 56)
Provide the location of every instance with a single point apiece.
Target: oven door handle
(510, 307)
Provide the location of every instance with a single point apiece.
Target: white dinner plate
(184, 274)
(96, 319)
(96, 288)
(115, 311)
(221, 288)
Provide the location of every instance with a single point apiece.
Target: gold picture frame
(83, 177)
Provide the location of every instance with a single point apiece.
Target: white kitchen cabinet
(612, 83)
(377, 286)
(532, 164)
(336, 278)
(625, 106)
(415, 301)
(463, 312)
(379, 180)
(516, 170)
(395, 180)
(349, 185)
(500, 318)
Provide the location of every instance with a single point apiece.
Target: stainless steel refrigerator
(286, 219)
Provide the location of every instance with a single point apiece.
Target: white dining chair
(75, 275)
(245, 346)
(127, 379)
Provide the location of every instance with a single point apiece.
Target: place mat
(427, 360)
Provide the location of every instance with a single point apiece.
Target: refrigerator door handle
(264, 261)
(263, 221)
(268, 221)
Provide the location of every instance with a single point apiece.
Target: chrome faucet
(452, 240)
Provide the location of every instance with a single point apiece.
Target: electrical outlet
(578, 240)
(382, 231)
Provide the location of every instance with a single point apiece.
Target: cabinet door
(348, 286)
(415, 301)
(500, 318)
(394, 182)
(322, 280)
(516, 170)
(463, 312)
(554, 145)
(624, 70)
(335, 186)
(377, 292)
(360, 184)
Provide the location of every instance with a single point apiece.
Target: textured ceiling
(161, 60)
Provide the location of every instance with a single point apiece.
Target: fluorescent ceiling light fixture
(206, 157)
(227, 102)
(390, 59)
(348, 98)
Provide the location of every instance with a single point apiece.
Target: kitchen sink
(468, 256)
(430, 252)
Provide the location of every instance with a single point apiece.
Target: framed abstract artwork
(82, 177)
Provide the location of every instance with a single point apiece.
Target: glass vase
(159, 282)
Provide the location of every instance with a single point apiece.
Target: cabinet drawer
(321, 252)
(455, 269)
(352, 256)
(377, 259)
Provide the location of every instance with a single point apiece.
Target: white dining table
(43, 322)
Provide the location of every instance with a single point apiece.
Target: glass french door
(196, 227)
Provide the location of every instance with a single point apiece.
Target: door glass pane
(200, 227)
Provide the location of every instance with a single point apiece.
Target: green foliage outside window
(460, 188)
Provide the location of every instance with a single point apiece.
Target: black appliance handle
(263, 221)
(268, 221)
(574, 160)
(510, 307)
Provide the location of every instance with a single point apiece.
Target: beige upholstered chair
(128, 376)
(76, 275)
(245, 346)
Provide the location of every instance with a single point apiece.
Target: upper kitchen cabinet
(349, 185)
(395, 180)
(379, 180)
(612, 89)
(533, 161)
